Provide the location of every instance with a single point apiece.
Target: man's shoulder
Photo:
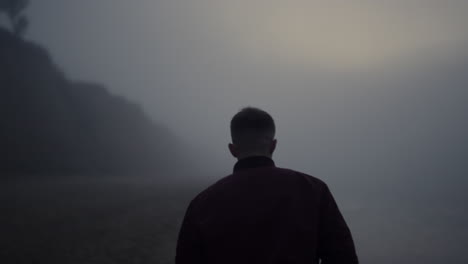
(285, 174)
(212, 188)
(304, 177)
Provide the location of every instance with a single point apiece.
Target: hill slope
(50, 124)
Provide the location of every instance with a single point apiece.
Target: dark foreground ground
(136, 221)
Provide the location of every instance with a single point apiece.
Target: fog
(369, 96)
(314, 65)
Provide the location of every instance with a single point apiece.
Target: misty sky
(368, 95)
(343, 79)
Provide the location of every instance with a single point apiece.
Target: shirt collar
(253, 162)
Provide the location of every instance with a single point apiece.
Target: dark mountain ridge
(50, 124)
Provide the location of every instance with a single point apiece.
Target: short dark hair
(252, 129)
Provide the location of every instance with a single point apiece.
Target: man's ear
(273, 146)
(233, 150)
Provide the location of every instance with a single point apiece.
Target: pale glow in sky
(342, 33)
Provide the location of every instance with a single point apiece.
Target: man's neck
(253, 162)
(240, 157)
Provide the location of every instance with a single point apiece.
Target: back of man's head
(252, 133)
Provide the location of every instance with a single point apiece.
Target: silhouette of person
(262, 213)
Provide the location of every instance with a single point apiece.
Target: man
(261, 213)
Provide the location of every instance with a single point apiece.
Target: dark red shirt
(264, 214)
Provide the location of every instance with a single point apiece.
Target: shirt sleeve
(335, 241)
(188, 248)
